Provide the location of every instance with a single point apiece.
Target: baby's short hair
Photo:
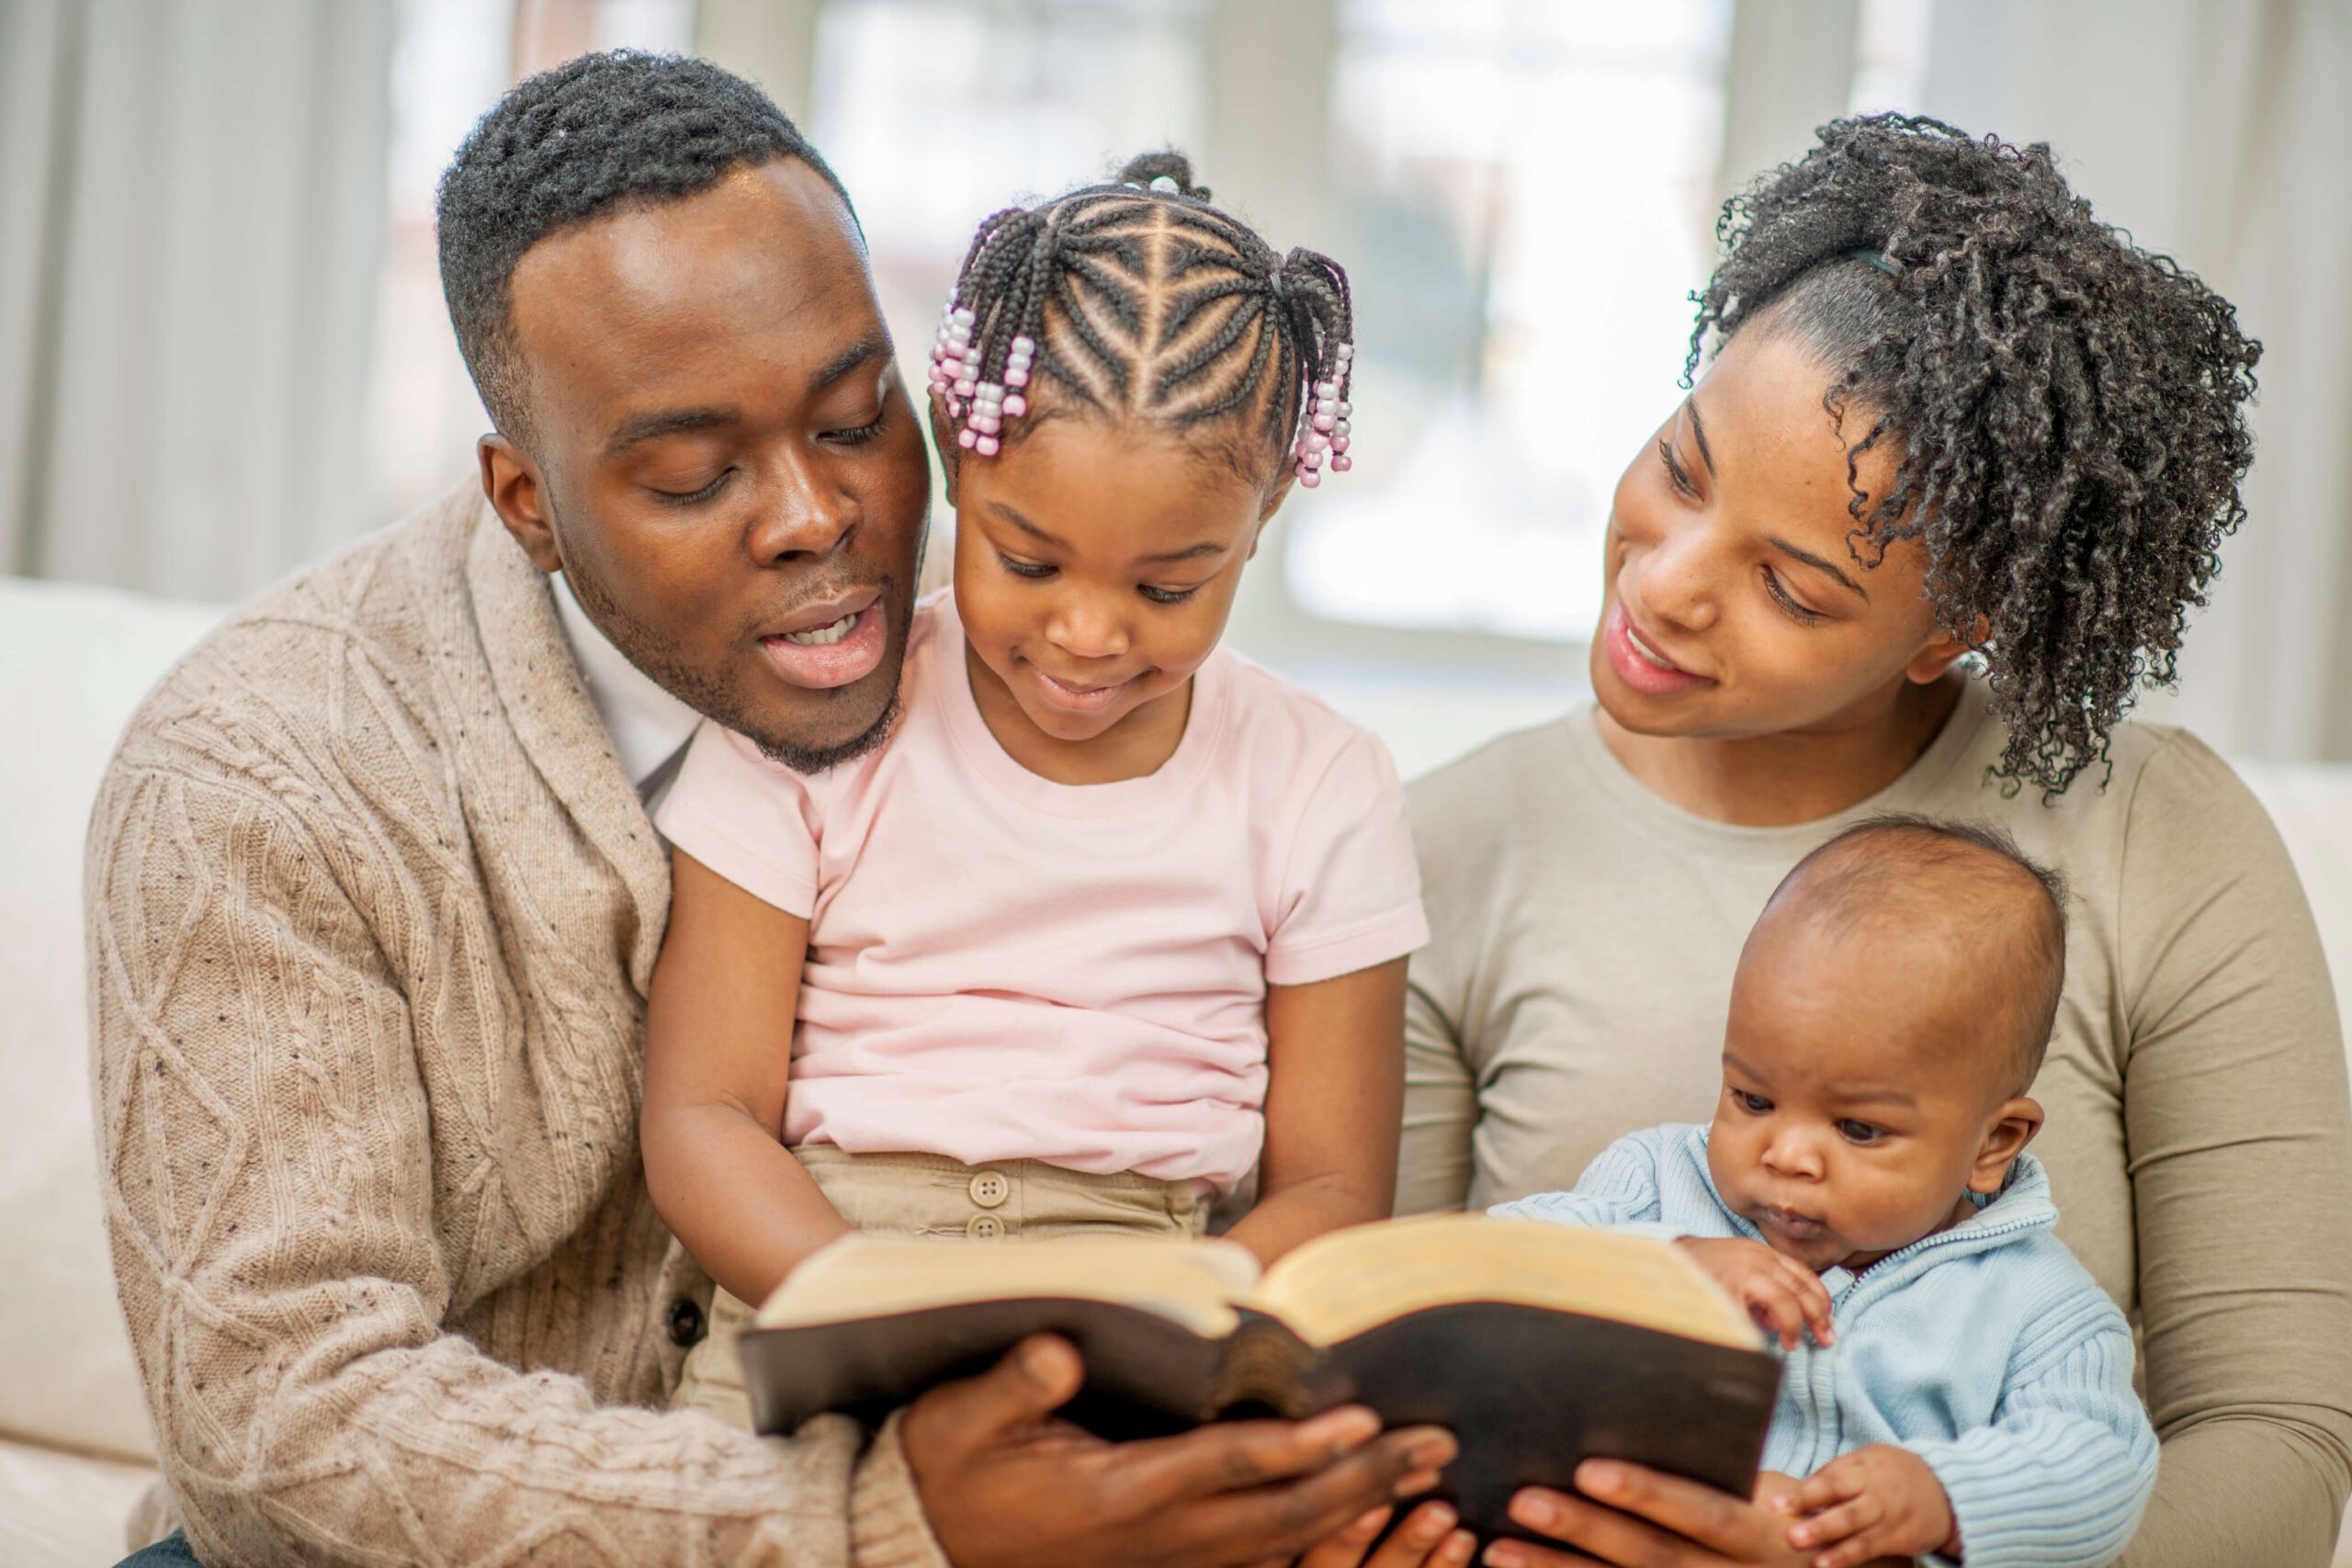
(1967, 870)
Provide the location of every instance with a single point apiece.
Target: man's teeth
(824, 636)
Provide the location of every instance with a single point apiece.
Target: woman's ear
(1942, 652)
(2012, 1128)
(944, 438)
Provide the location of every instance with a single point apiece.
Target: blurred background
(224, 351)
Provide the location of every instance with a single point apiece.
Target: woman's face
(1735, 605)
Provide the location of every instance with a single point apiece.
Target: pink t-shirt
(1003, 967)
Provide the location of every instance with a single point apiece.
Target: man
(374, 900)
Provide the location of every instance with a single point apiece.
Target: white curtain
(2218, 132)
(191, 213)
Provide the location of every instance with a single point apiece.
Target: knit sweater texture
(1985, 1349)
(372, 913)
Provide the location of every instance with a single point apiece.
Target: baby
(1968, 1384)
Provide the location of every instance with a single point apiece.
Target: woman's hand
(1630, 1517)
(1426, 1538)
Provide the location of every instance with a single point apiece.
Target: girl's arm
(1334, 1097)
(717, 1051)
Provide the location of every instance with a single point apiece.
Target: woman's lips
(1076, 699)
(1639, 665)
(846, 650)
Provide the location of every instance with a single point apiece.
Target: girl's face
(1095, 566)
(1734, 606)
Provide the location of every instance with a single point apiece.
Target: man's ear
(2012, 1128)
(512, 482)
(943, 439)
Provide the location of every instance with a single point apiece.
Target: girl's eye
(1167, 595)
(692, 498)
(1787, 601)
(1754, 1104)
(1860, 1132)
(1031, 569)
(1676, 474)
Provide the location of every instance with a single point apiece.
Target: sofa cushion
(74, 662)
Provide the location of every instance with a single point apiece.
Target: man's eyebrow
(847, 360)
(1818, 564)
(1699, 429)
(665, 422)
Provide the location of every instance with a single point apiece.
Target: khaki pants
(932, 1196)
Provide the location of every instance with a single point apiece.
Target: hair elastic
(1878, 260)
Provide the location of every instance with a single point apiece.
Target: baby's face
(1857, 1092)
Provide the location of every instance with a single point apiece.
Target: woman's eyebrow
(1818, 564)
(1699, 429)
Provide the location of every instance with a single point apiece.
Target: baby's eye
(1754, 1104)
(1859, 1133)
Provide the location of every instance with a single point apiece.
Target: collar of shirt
(647, 725)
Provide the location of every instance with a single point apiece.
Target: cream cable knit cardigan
(372, 911)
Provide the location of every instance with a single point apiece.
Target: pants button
(990, 1189)
(985, 1227)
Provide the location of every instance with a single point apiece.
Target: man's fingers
(1346, 1549)
(1295, 1515)
(1716, 1521)
(1031, 1381)
(1239, 1456)
(1423, 1541)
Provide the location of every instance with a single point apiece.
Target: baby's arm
(718, 1052)
(1334, 1095)
(2057, 1480)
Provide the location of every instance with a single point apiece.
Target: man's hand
(1003, 1483)
(1880, 1501)
(1426, 1538)
(1782, 1295)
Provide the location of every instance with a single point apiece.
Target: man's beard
(657, 656)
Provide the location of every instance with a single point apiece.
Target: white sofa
(75, 1448)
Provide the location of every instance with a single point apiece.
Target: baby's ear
(942, 436)
(2006, 1136)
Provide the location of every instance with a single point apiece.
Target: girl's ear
(2013, 1127)
(943, 439)
(1276, 494)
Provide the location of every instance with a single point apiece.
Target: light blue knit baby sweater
(1985, 1349)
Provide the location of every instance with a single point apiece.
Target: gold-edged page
(1190, 1282)
(1338, 1285)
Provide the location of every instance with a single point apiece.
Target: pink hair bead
(1309, 478)
(1324, 422)
(1015, 406)
(968, 438)
(963, 388)
(1017, 376)
(987, 445)
(1341, 464)
(1339, 443)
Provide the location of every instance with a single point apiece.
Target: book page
(1338, 1285)
(1190, 1282)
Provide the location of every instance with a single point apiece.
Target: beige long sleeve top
(372, 911)
(2198, 1142)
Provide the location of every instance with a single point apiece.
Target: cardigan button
(686, 1321)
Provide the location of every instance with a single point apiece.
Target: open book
(1538, 1345)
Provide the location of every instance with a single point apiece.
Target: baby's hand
(1782, 1294)
(1876, 1502)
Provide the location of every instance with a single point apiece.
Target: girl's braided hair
(1147, 303)
(2068, 410)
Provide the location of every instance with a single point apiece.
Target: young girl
(1114, 915)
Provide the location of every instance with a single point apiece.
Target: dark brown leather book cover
(1529, 1391)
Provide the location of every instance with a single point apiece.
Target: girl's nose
(1084, 628)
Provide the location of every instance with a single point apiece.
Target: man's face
(724, 462)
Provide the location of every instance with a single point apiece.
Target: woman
(1953, 422)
